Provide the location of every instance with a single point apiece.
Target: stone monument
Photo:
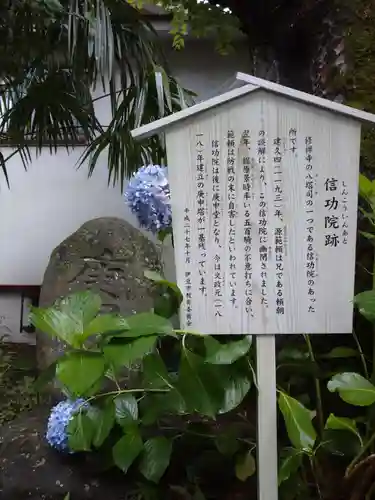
(108, 256)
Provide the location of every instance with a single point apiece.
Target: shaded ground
(30, 469)
(17, 376)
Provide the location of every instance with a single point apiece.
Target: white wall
(52, 199)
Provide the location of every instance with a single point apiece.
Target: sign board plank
(265, 192)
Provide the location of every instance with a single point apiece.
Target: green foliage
(212, 378)
(359, 37)
(75, 318)
(225, 354)
(54, 52)
(155, 458)
(290, 464)
(245, 466)
(344, 424)
(312, 436)
(353, 389)
(200, 19)
(298, 423)
(127, 449)
(365, 302)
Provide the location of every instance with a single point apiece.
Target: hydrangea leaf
(147, 323)
(126, 409)
(81, 430)
(226, 353)
(125, 355)
(79, 371)
(127, 449)
(103, 420)
(155, 458)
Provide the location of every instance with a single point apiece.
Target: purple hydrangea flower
(57, 427)
(148, 197)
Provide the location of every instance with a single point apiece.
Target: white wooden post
(264, 183)
(267, 418)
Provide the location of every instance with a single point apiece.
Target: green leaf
(341, 352)
(153, 406)
(145, 324)
(155, 373)
(298, 423)
(235, 386)
(366, 187)
(292, 353)
(83, 305)
(56, 324)
(68, 317)
(106, 323)
(369, 236)
(80, 431)
(166, 303)
(342, 443)
(353, 388)
(103, 420)
(125, 355)
(343, 424)
(160, 280)
(199, 385)
(227, 443)
(365, 302)
(225, 354)
(155, 458)
(290, 465)
(127, 449)
(79, 371)
(155, 276)
(245, 466)
(162, 234)
(126, 409)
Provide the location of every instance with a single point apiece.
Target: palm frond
(61, 50)
(49, 107)
(159, 96)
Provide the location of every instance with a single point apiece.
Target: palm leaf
(158, 97)
(60, 51)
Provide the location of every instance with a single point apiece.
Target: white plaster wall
(52, 199)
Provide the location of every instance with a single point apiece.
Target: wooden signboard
(264, 190)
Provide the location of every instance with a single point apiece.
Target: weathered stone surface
(108, 256)
(30, 469)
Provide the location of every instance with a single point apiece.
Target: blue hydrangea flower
(148, 197)
(58, 421)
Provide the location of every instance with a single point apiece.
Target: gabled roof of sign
(253, 84)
